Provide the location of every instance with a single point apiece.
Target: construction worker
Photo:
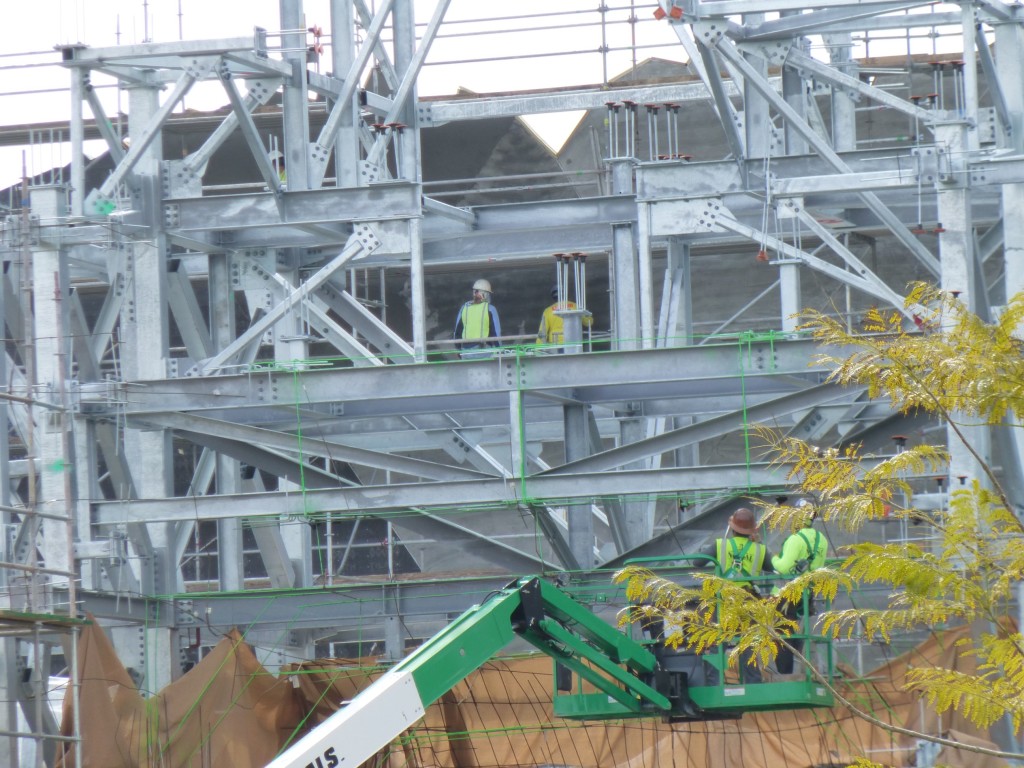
(741, 556)
(277, 160)
(477, 324)
(804, 550)
(552, 326)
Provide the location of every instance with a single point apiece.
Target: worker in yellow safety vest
(552, 326)
(477, 325)
(741, 556)
(277, 161)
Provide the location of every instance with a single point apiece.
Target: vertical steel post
(77, 136)
(756, 118)
(581, 518)
(145, 349)
(295, 99)
(343, 53)
(8, 646)
(970, 75)
(794, 94)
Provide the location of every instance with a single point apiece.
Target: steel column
(295, 100)
(50, 317)
(956, 251)
(144, 324)
(343, 52)
(581, 521)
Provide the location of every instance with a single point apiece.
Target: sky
(540, 48)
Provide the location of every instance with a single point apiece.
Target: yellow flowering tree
(965, 372)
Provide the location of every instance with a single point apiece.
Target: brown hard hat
(743, 522)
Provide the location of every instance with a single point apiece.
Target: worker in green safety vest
(477, 324)
(277, 161)
(741, 556)
(804, 550)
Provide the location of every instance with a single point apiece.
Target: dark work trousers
(784, 659)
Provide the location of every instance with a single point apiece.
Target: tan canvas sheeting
(227, 711)
(501, 716)
(110, 704)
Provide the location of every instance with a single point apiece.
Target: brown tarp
(227, 711)
(501, 716)
(110, 703)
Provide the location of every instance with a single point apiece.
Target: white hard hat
(274, 154)
(810, 511)
(482, 285)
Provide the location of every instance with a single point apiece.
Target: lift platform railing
(716, 689)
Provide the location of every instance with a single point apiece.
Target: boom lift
(618, 677)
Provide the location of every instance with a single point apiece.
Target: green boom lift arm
(626, 678)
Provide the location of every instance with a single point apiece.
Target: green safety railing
(725, 693)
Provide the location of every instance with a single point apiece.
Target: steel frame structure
(466, 447)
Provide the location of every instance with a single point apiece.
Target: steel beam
(766, 412)
(813, 20)
(142, 138)
(349, 82)
(821, 147)
(305, 444)
(712, 369)
(397, 498)
(433, 113)
(392, 200)
(256, 329)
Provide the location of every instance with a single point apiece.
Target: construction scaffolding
(231, 391)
